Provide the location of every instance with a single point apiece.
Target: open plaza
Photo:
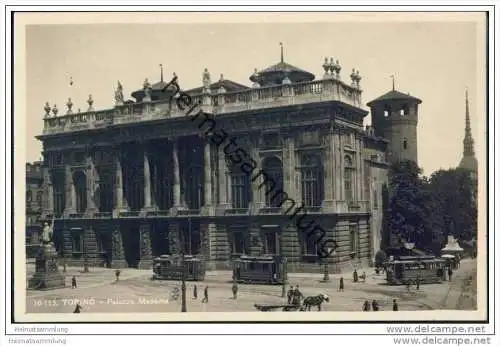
(97, 292)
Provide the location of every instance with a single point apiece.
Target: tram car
(170, 267)
(408, 269)
(259, 270)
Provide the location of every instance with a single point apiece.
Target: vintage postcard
(250, 167)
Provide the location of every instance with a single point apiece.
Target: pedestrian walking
(374, 305)
(450, 273)
(341, 284)
(366, 306)
(78, 308)
(418, 282)
(235, 291)
(205, 295)
(289, 295)
(195, 292)
(395, 305)
(408, 285)
(117, 274)
(73, 282)
(355, 276)
(363, 276)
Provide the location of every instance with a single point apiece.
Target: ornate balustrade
(214, 103)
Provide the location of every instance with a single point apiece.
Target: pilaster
(146, 261)
(224, 193)
(70, 192)
(257, 184)
(328, 172)
(208, 233)
(207, 208)
(91, 177)
(174, 238)
(118, 252)
(48, 194)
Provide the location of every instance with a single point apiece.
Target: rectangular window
(77, 241)
(348, 173)
(271, 243)
(354, 235)
(238, 242)
(240, 191)
(309, 244)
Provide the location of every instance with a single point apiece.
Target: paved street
(135, 292)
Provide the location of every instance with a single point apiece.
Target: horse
(315, 301)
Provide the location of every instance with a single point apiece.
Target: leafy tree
(453, 193)
(410, 204)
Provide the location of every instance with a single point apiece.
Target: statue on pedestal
(119, 94)
(47, 275)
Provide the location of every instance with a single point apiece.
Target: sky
(434, 60)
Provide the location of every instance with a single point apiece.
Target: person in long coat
(78, 308)
(366, 306)
(235, 290)
(195, 292)
(374, 305)
(289, 295)
(395, 306)
(205, 295)
(73, 282)
(341, 284)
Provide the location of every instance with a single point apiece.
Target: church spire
(468, 140)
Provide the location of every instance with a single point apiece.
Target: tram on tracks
(172, 267)
(269, 270)
(403, 270)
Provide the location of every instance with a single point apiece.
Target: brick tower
(395, 118)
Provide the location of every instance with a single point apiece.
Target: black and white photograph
(251, 166)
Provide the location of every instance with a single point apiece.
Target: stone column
(177, 178)
(207, 185)
(48, 194)
(224, 194)
(148, 205)
(359, 168)
(70, 192)
(258, 189)
(338, 159)
(146, 261)
(119, 205)
(328, 172)
(289, 168)
(90, 176)
(118, 255)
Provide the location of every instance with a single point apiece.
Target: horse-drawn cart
(273, 307)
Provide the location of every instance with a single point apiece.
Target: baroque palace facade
(125, 184)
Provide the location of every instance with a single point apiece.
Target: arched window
(348, 179)
(80, 182)
(273, 177)
(312, 180)
(241, 188)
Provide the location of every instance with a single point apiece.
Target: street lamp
(326, 274)
(85, 252)
(283, 265)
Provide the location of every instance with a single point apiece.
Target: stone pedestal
(47, 275)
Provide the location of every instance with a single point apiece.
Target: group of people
(205, 294)
(294, 296)
(374, 305)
